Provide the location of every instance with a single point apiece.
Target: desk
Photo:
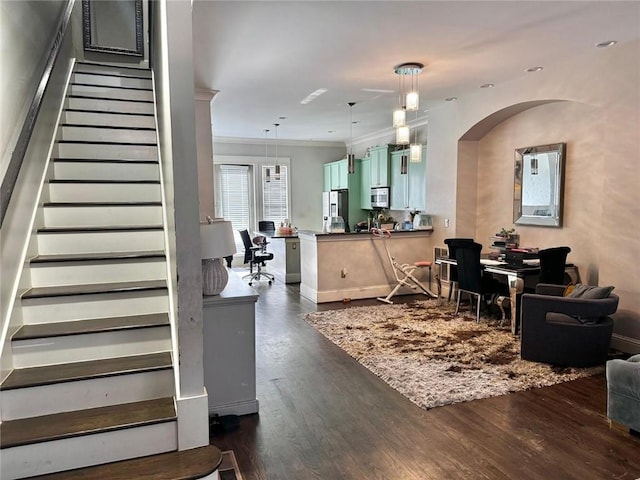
(516, 277)
(286, 255)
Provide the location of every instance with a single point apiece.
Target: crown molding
(205, 95)
(386, 132)
(271, 141)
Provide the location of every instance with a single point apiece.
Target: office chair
(552, 264)
(266, 226)
(452, 244)
(470, 277)
(255, 256)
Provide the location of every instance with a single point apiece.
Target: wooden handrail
(17, 156)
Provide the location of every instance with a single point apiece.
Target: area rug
(228, 469)
(434, 357)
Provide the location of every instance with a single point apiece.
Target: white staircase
(93, 377)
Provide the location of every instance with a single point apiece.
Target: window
(243, 199)
(275, 199)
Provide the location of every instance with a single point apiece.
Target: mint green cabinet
(326, 175)
(364, 165)
(336, 175)
(379, 168)
(408, 190)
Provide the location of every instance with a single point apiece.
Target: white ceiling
(264, 57)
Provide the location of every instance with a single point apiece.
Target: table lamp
(216, 242)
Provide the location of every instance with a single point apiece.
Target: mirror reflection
(538, 185)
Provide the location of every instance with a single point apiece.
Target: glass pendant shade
(268, 176)
(402, 135)
(399, 118)
(415, 153)
(277, 169)
(351, 163)
(412, 101)
(403, 165)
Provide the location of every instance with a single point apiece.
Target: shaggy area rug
(435, 358)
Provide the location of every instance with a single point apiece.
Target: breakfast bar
(339, 266)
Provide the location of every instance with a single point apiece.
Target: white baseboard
(625, 344)
(374, 291)
(245, 407)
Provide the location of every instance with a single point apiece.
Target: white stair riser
(112, 81)
(73, 273)
(95, 346)
(104, 192)
(102, 216)
(110, 92)
(105, 171)
(110, 70)
(109, 119)
(91, 393)
(77, 452)
(90, 134)
(100, 242)
(109, 105)
(107, 152)
(60, 309)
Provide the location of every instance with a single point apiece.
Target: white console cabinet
(230, 349)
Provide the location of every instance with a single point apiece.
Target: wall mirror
(538, 185)
(113, 27)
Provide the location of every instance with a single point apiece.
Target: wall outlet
(446, 223)
(343, 273)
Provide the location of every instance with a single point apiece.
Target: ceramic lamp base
(214, 276)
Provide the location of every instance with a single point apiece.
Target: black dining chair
(266, 226)
(452, 245)
(553, 262)
(471, 279)
(255, 256)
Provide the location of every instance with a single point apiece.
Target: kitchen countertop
(393, 232)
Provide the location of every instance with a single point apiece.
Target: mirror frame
(92, 47)
(555, 219)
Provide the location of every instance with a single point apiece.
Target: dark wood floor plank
(323, 415)
(68, 372)
(94, 325)
(85, 422)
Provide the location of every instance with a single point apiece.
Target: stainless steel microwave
(380, 197)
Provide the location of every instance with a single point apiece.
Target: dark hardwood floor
(324, 416)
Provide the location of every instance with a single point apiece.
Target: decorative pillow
(568, 289)
(590, 292)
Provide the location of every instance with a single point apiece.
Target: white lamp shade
(402, 135)
(415, 153)
(216, 239)
(399, 118)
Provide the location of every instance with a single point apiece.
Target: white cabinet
(229, 349)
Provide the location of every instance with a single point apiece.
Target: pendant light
(277, 169)
(403, 164)
(409, 101)
(534, 165)
(351, 158)
(266, 157)
(400, 114)
(415, 149)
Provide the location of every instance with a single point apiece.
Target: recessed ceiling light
(608, 43)
(331, 131)
(282, 118)
(487, 85)
(534, 69)
(313, 95)
(451, 99)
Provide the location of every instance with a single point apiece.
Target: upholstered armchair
(566, 331)
(623, 392)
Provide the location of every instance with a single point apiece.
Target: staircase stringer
(12, 312)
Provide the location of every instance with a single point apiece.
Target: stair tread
(81, 63)
(180, 465)
(107, 112)
(69, 372)
(115, 87)
(109, 228)
(74, 257)
(101, 204)
(92, 325)
(102, 142)
(84, 422)
(108, 99)
(100, 181)
(103, 160)
(109, 127)
(84, 289)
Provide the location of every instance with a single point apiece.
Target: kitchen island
(337, 266)
(286, 255)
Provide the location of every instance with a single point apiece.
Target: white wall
(306, 172)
